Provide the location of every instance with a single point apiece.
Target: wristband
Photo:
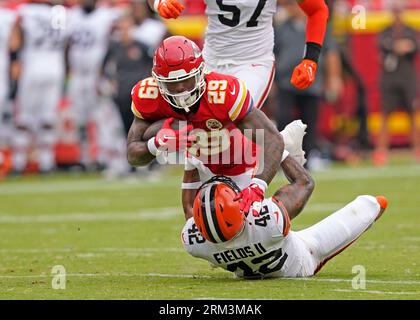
(152, 146)
(261, 183)
(191, 185)
(285, 155)
(312, 51)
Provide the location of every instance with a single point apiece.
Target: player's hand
(251, 197)
(293, 135)
(169, 9)
(304, 74)
(168, 139)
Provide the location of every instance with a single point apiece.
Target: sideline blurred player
(218, 107)
(90, 28)
(7, 57)
(240, 39)
(399, 48)
(7, 20)
(41, 29)
(264, 246)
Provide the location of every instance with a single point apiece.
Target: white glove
(293, 137)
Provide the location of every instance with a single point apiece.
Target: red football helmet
(216, 215)
(178, 68)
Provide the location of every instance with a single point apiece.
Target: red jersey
(220, 145)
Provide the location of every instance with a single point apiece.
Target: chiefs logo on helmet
(216, 215)
(179, 60)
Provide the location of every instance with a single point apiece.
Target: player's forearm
(190, 185)
(272, 145)
(187, 202)
(317, 17)
(138, 153)
(295, 195)
(272, 152)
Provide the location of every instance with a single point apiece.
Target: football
(153, 129)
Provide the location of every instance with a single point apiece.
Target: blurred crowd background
(65, 103)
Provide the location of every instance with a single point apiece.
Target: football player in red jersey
(218, 107)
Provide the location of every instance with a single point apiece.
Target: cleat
(383, 203)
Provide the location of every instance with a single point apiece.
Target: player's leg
(390, 99)
(79, 97)
(409, 91)
(26, 118)
(3, 101)
(286, 104)
(258, 78)
(333, 234)
(111, 140)
(47, 133)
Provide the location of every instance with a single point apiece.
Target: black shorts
(398, 94)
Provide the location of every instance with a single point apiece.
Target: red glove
(170, 140)
(304, 74)
(168, 8)
(251, 197)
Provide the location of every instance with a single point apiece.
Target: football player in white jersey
(264, 246)
(42, 30)
(90, 28)
(7, 20)
(239, 40)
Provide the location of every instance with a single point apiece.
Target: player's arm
(138, 153)
(191, 183)
(167, 9)
(295, 195)
(273, 149)
(317, 17)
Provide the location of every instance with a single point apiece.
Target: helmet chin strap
(182, 101)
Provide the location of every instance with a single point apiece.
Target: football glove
(170, 140)
(168, 9)
(293, 135)
(304, 74)
(251, 197)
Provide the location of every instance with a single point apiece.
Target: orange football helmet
(216, 215)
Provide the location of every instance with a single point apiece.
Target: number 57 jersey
(239, 31)
(261, 250)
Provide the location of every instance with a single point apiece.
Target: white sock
(46, 154)
(20, 143)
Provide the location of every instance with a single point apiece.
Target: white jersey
(44, 34)
(266, 247)
(256, 252)
(90, 38)
(239, 31)
(7, 19)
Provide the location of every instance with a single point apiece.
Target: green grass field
(121, 240)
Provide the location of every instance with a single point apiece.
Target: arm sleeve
(317, 13)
